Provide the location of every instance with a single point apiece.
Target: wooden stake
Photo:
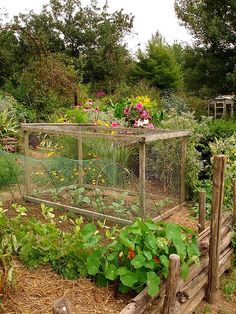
(171, 285)
(202, 211)
(142, 177)
(234, 200)
(215, 236)
(182, 169)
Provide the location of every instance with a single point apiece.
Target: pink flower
(144, 114)
(150, 126)
(126, 111)
(115, 124)
(136, 124)
(100, 93)
(139, 106)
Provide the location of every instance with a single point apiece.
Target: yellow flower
(50, 154)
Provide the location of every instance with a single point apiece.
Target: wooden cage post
(142, 177)
(184, 142)
(215, 230)
(234, 200)
(26, 164)
(172, 285)
(202, 211)
(80, 161)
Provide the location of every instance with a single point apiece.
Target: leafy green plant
(79, 197)
(135, 256)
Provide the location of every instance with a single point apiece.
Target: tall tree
(209, 66)
(158, 66)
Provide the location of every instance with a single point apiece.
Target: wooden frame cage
(148, 155)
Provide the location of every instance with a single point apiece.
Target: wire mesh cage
(115, 174)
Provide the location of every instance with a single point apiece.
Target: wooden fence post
(215, 237)
(171, 285)
(202, 211)
(234, 200)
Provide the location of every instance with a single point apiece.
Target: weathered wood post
(215, 235)
(26, 164)
(172, 285)
(202, 211)
(142, 176)
(234, 200)
(184, 143)
(61, 306)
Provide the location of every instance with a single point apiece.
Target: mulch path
(36, 290)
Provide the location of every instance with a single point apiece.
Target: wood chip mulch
(36, 290)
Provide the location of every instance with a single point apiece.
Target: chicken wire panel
(118, 178)
(163, 175)
(97, 175)
(12, 173)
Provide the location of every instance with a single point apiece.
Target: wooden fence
(177, 296)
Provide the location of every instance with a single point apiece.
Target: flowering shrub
(137, 116)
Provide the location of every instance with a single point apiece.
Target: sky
(150, 16)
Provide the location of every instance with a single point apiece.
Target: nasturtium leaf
(184, 270)
(123, 271)
(138, 261)
(148, 255)
(150, 241)
(129, 279)
(124, 238)
(151, 225)
(112, 256)
(111, 272)
(88, 230)
(93, 264)
(101, 280)
(122, 288)
(153, 283)
(164, 261)
(150, 264)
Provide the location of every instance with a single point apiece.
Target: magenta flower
(150, 126)
(139, 106)
(126, 111)
(145, 115)
(115, 124)
(136, 124)
(100, 93)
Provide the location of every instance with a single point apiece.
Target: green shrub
(221, 128)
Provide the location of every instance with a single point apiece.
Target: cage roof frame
(134, 135)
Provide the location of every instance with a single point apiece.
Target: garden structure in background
(113, 173)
